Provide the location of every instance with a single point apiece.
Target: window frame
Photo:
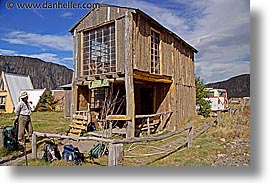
(3, 102)
(98, 96)
(98, 53)
(159, 52)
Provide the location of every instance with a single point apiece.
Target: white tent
(34, 96)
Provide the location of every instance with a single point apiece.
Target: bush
(201, 94)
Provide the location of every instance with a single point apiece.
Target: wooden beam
(34, 146)
(115, 155)
(77, 127)
(145, 76)
(118, 117)
(75, 116)
(190, 137)
(129, 81)
(144, 139)
(50, 135)
(219, 118)
(1, 137)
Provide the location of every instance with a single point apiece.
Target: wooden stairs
(79, 124)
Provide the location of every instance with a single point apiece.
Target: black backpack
(98, 150)
(51, 152)
(71, 153)
(10, 138)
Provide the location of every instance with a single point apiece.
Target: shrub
(201, 94)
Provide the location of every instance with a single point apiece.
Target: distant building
(67, 93)
(11, 85)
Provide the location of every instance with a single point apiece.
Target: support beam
(219, 118)
(115, 155)
(129, 81)
(190, 136)
(1, 137)
(148, 126)
(34, 146)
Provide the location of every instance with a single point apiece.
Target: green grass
(155, 153)
(47, 122)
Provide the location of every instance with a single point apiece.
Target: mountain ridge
(43, 74)
(236, 86)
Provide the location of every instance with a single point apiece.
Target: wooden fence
(116, 147)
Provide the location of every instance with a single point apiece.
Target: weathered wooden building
(123, 49)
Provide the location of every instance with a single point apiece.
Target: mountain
(43, 74)
(238, 86)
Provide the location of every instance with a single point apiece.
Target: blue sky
(219, 29)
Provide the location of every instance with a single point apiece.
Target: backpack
(51, 152)
(71, 153)
(10, 138)
(98, 150)
(91, 127)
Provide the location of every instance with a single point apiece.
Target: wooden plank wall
(176, 62)
(120, 44)
(142, 43)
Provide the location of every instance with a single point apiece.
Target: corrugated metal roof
(34, 97)
(17, 83)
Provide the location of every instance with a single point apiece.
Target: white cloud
(59, 42)
(221, 71)
(219, 29)
(49, 57)
(7, 52)
(67, 14)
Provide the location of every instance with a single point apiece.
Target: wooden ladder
(79, 124)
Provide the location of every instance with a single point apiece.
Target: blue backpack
(71, 153)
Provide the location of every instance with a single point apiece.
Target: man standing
(23, 113)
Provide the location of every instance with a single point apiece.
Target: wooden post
(219, 119)
(115, 155)
(129, 81)
(110, 128)
(1, 137)
(148, 126)
(190, 136)
(34, 146)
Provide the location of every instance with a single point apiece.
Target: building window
(98, 97)
(155, 53)
(99, 51)
(2, 88)
(2, 103)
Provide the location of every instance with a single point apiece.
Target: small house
(11, 85)
(124, 55)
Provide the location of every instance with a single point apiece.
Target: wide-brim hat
(24, 94)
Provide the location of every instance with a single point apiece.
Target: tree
(47, 102)
(201, 94)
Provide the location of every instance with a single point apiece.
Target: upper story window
(99, 50)
(2, 87)
(155, 53)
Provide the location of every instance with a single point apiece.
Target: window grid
(98, 96)
(2, 102)
(155, 53)
(99, 51)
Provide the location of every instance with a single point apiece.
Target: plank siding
(177, 59)
(120, 44)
